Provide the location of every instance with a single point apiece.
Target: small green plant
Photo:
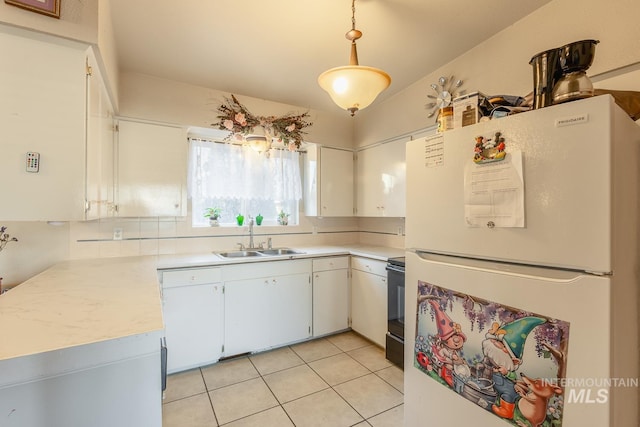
(213, 213)
(283, 218)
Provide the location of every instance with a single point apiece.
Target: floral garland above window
(235, 118)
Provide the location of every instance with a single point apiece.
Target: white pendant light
(259, 140)
(354, 87)
(257, 143)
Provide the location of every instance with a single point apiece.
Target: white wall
(107, 51)
(500, 65)
(157, 99)
(39, 246)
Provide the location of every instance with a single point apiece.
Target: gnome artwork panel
(508, 361)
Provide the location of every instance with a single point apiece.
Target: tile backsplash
(41, 245)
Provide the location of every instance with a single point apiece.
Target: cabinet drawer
(330, 263)
(369, 265)
(190, 276)
(254, 270)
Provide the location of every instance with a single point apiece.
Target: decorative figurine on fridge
(488, 150)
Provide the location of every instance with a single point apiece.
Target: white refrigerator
(522, 271)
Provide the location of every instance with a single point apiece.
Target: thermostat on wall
(33, 161)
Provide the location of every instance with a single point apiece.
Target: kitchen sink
(240, 254)
(258, 253)
(280, 251)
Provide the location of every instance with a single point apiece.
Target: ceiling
(275, 49)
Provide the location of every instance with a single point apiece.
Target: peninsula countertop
(82, 302)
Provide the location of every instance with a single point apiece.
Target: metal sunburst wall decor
(445, 90)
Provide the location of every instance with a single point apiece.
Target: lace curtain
(229, 171)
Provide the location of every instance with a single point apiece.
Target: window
(240, 180)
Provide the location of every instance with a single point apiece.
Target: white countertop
(80, 302)
(83, 302)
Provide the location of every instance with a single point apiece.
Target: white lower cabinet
(267, 304)
(104, 384)
(246, 313)
(193, 308)
(369, 299)
(330, 295)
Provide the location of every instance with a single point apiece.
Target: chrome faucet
(251, 232)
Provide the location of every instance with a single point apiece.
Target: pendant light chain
(353, 14)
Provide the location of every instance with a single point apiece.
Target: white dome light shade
(354, 87)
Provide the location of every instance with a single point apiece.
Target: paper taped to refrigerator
(494, 193)
(434, 151)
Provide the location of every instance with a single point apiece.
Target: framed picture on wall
(45, 7)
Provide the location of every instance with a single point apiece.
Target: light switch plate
(117, 233)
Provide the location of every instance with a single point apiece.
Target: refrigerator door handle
(516, 270)
(163, 362)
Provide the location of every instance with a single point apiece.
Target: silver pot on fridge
(574, 59)
(559, 75)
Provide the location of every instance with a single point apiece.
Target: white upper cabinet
(151, 170)
(43, 111)
(328, 182)
(381, 180)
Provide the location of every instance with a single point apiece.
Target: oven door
(395, 309)
(395, 300)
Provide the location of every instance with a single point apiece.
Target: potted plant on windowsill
(283, 218)
(213, 214)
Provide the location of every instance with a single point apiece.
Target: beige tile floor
(337, 381)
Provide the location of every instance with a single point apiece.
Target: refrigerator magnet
(489, 149)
